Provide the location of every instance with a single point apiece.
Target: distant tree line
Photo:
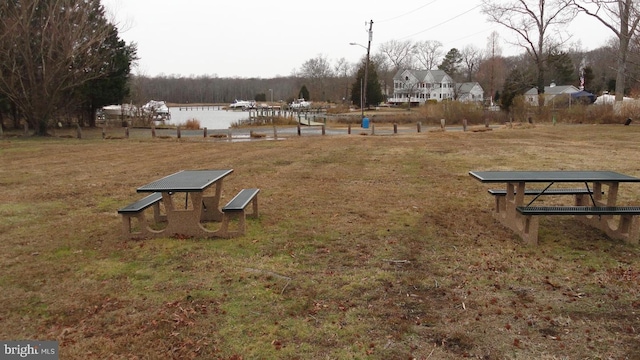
(62, 59)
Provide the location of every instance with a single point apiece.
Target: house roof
(437, 75)
(554, 90)
(465, 88)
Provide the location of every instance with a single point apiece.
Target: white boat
(300, 104)
(242, 104)
(156, 109)
(126, 110)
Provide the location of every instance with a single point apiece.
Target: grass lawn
(379, 247)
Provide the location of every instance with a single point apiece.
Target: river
(210, 118)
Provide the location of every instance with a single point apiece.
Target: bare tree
(493, 52)
(533, 21)
(47, 50)
(342, 68)
(317, 71)
(471, 57)
(429, 53)
(621, 17)
(398, 52)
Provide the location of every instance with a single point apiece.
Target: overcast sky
(265, 39)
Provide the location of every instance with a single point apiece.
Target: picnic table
(595, 204)
(195, 189)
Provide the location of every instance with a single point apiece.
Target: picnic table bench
(235, 209)
(592, 205)
(136, 211)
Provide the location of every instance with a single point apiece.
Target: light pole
(362, 91)
(366, 65)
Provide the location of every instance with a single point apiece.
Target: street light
(366, 66)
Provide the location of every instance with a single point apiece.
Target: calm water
(209, 118)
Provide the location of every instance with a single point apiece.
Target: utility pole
(366, 65)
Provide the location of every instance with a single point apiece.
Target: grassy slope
(367, 246)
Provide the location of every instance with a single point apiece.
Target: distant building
(418, 86)
(469, 92)
(550, 92)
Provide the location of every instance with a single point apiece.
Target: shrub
(191, 124)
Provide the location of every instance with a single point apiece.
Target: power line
(408, 13)
(442, 23)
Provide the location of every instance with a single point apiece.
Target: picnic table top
(551, 176)
(186, 181)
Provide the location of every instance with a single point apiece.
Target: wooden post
(126, 132)
(464, 124)
(230, 135)
(275, 133)
(395, 128)
(205, 133)
(442, 122)
(486, 123)
(419, 126)
(323, 130)
(298, 129)
(349, 129)
(153, 130)
(178, 131)
(373, 129)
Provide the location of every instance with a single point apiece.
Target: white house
(418, 86)
(469, 92)
(551, 91)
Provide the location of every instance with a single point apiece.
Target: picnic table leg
(505, 211)
(211, 205)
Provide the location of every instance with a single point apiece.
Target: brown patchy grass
(376, 247)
